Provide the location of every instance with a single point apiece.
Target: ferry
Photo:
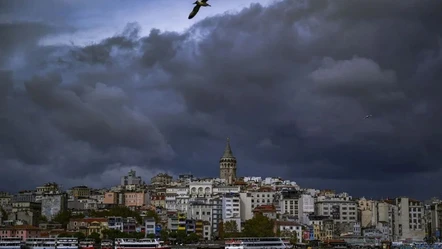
(41, 243)
(107, 244)
(121, 243)
(256, 243)
(10, 243)
(87, 244)
(67, 243)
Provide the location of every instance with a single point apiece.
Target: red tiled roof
(20, 227)
(265, 209)
(89, 220)
(287, 223)
(265, 189)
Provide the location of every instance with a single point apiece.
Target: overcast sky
(92, 89)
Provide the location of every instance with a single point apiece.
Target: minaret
(227, 165)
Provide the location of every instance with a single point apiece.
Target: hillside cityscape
(192, 209)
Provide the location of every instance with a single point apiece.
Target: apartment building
(341, 208)
(231, 209)
(250, 200)
(410, 223)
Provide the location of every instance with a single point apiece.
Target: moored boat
(10, 243)
(67, 243)
(121, 243)
(107, 244)
(41, 243)
(87, 244)
(255, 243)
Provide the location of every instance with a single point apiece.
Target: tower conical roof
(228, 151)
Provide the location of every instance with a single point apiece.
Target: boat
(87, 244)
(41, 243)
(107, 244)
(10, 243)
(256, 243)
(121, 243)
(67, 243)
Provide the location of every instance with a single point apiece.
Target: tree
(79, 235)
(63, 218)
(153, 214)
(64, 235)
(113, 233)
(42, 219)
(258, 226)
(221, 230)
(230, 229)
(3, 213)
(292, 235)
(181, 236)
(164, 235)
(95, 236)
(192, 238)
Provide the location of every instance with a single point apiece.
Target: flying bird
(368, 116)
(197, 7)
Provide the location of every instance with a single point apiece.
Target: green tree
(138, 235)
(173, 236)
(153, 214)
(95, 236)
(151, 236)
(181, 236)
(230, 229)
(258, 226)
(79, 235)
(164, 235)
(112, 234)
(292, 235)
(63, 218)
(192, 238)
(64, 235)
(42, 219)
(3, 213)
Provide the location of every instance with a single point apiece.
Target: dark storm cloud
(291, 84)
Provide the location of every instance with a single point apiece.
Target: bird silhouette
(197, 7)
(368, 116)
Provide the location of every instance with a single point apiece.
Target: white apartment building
(231, 209)
(409, 223)
(256, 179)
(222, 190)
(436, 218)
(306, 207)
(272, 180)
(342, 209)
(290, 204)
(381, 215)
(149, 226)
(200, 211)
(290, 227)
(251, 200)
(201, 188)
(177, 199)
